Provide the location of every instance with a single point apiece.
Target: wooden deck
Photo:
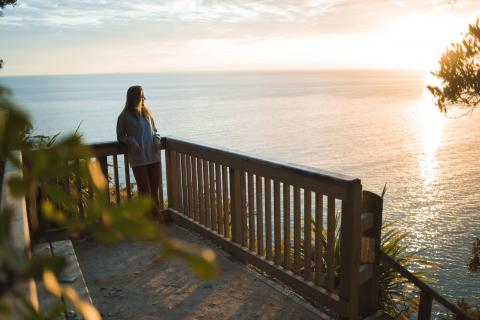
(127, 281)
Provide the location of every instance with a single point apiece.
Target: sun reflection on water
(431, 138)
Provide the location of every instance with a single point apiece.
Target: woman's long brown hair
(134, 98)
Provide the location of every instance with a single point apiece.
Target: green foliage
(460, 74)
(397, 295)
(4, 3)
(472, 312)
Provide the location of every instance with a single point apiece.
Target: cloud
(227, 17)
(191, 34)
(77, 13)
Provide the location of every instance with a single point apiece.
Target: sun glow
(431, 135)
(419, 41)
(409, 42)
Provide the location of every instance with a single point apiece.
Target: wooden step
(72, 275)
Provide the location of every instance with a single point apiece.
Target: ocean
(379, 126)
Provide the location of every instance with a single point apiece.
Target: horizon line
(220, 71)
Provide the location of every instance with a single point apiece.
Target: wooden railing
(286, 220)
(427, 294)
(262, 211)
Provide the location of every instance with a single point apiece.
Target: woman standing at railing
(136, 128)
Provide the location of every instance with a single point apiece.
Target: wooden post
(372, 204)
(350, 244)
(425, 308)
(104, 167)
(235, 196)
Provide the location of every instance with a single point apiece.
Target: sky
(119, 36)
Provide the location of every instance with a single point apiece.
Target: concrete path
(127, 281)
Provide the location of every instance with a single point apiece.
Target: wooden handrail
(336, 184)
(422, 285)
(293, 168)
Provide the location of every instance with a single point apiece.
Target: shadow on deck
(128, 281)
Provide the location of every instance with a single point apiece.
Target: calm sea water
(376, 125)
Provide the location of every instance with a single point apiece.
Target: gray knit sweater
(133, 130)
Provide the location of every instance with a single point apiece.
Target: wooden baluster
(127, 176)
(117, 182)
(287, 264)
(244, 209)
(236, 199)
(177, 162)
(276, 222)
(331, 243)
(201, 194)
(259, 189)
(196, 201)
(218, 188)
(191, 206)
(184, 184)
(308, 235)
(318, 238)
(173, 194)
(425, 308)
(268, 218)
(213, 207)
(206, 186)
(296, 230)
(251, 213)
(226, 215)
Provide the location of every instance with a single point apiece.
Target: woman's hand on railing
(157, 142)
